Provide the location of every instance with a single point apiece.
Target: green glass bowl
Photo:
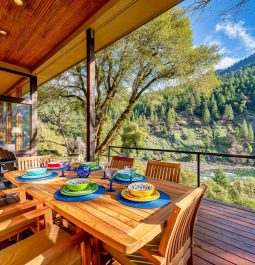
(77, 184)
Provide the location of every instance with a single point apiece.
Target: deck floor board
(224, 234)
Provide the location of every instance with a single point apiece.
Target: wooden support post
(91, 111)
(8, 131)
(1, 122)
(33, 116)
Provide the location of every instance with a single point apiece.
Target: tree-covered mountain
(221, 121)
(248, 61)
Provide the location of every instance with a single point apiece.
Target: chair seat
(30, 250)
(135, 258)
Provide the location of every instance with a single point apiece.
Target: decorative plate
(93, 187)
(36, 171)
(126, 194)
(136, 178)
(26, 176)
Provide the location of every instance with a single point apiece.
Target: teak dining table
(122, 227)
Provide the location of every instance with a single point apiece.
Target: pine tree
(214, 109)
(244, 130)
(191, 105)
(206, 114)
(164, 129)
(171, 116)
(251, 134)
(228, 113)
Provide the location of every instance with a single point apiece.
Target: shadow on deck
(224, 234)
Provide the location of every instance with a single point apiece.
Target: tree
(164, 129)
(251, 134)
(160, 51)
(220, 178)
(228, 113)
(244, 130)
(64, 118)
(134, 136)
(171, 116)
(206, 114)
(214, 109)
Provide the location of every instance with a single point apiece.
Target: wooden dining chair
(169, 171)
(52, 245)
(32, 162)
(10, 212)
(121, 162)
(175, 245)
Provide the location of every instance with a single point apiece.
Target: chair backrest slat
(163, 170)
(177, 239)
(32, 162)
(121, 162)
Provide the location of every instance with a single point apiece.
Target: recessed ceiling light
(3, 32)
(19, 2)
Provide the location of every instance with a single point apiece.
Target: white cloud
(237, 31)
(226, 62)
(211, 41)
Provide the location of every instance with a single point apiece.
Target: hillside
(185, 119)
(248, 61)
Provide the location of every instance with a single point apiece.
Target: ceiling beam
(14, 69)
(15, 100)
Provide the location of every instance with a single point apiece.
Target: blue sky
(233, 32)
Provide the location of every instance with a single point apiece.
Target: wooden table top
(125, 228)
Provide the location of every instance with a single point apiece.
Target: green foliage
(171, 117)
(164, 129)
(228, 113)
(251, 133)
(244, 130)
(220, 178)
(206, 114)
(134, 136)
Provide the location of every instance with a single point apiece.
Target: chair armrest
(16, 208)
(13, 191)
(12, 223)
(2, 163)
(10, 191)
(152, 256)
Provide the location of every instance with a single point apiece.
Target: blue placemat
(128, 182)
(101, 191)
(21, 179)
(163, 200)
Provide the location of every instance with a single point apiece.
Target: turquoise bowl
(36, 171)
(123, 174)
(77, 184)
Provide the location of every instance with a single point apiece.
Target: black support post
(33, 115)
(91, 111)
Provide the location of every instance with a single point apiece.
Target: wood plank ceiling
(46, 37)
(38, 26)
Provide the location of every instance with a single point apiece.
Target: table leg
(96, 251)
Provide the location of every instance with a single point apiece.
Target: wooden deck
(224, 234)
